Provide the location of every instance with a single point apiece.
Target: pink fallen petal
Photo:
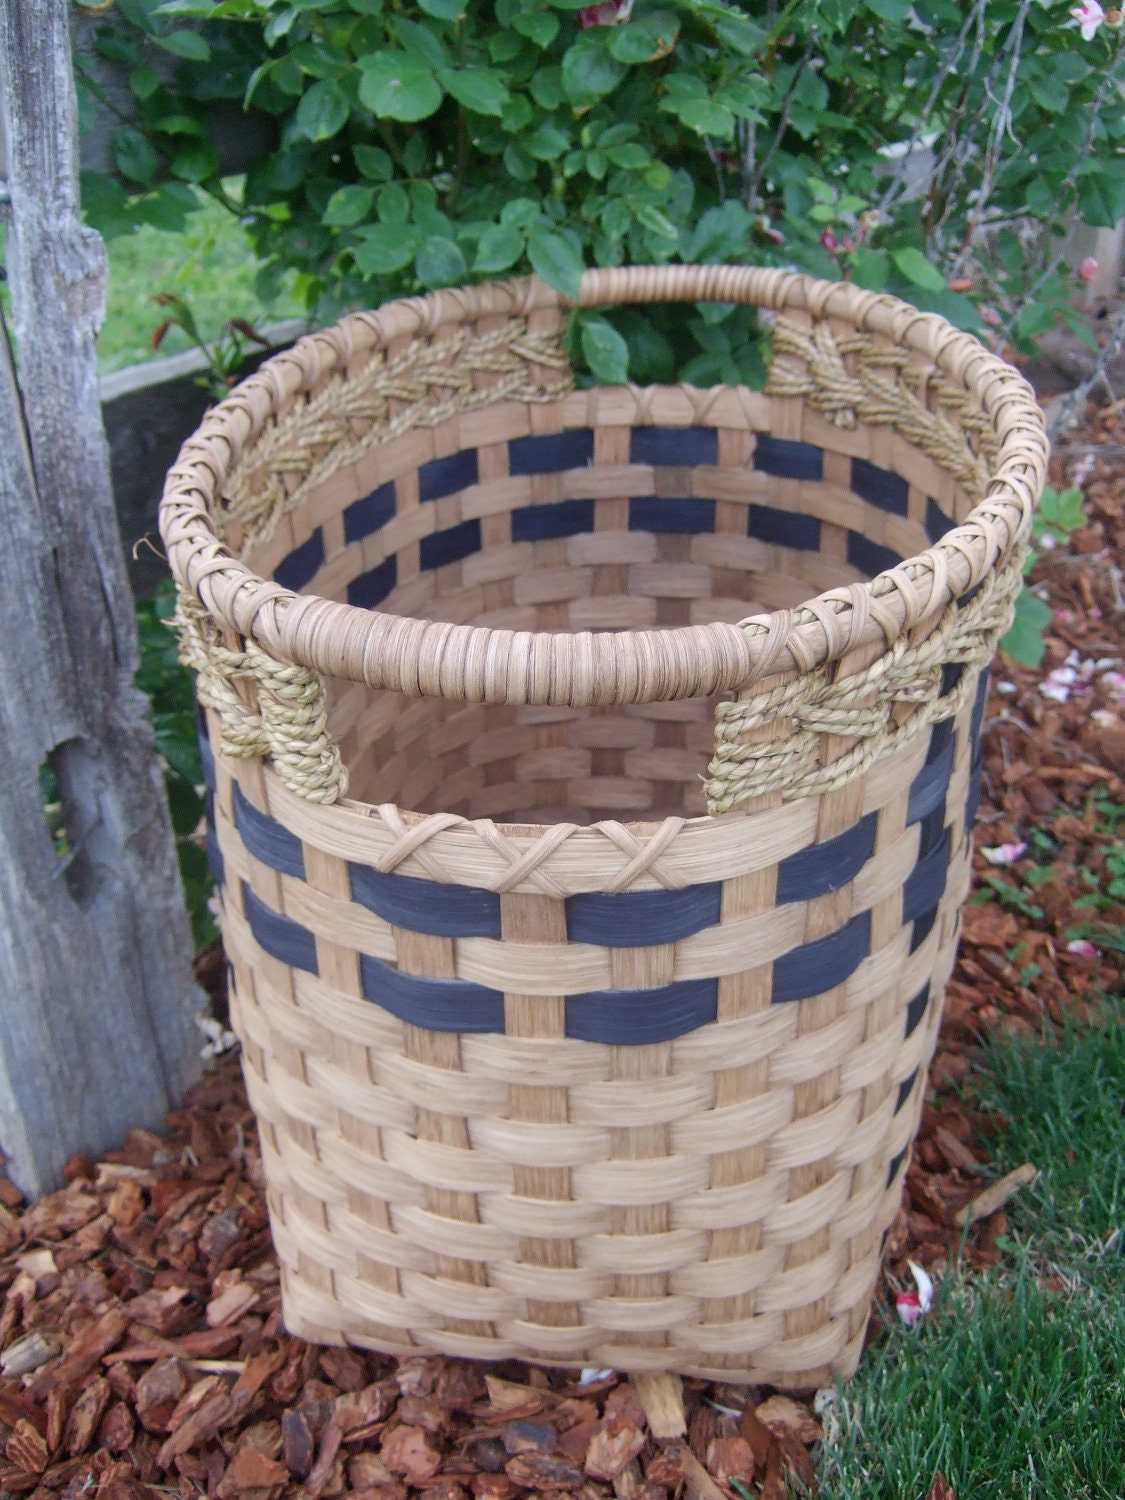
(1004, 854)
(925, 1285)
(1083, 947)
(1089, 267)
(909, 1308)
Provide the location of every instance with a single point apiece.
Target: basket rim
(473, 663)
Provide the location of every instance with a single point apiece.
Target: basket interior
(550, 517)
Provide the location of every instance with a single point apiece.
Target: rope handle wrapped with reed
(262, 651)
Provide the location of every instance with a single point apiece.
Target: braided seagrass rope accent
(288, 726)
(812, 365)
(864, 706)
(388, 396)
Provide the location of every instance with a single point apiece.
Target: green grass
(1015, 1385)
(212, 264)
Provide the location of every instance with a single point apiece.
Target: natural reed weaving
(591, 777)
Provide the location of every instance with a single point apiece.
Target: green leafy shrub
(931, 149)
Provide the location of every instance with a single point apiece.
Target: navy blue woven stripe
(905, 1089)
(370, 589)
(951, 674)
(880, 487)
(979, 702)
(784, 528)
(552, 453)
(207, 758)
(369, 514)
(656, 513)
(925, 885)
(928, 789)
(294, 571)
(681, 447)
(285, 940)
(214, 853)
(930, 830)
(266, 839)
(896, 1162)
(870, 557)
(916, 1010)
(787, 459)
(426, 906)
(537, 523)
(822, 965)
(435, 1004)
(923, 926)
(450, 546)
(941, 741)
(632, 1018)
(445, 476)
(826, 867)
(937, 522)
(641, 919)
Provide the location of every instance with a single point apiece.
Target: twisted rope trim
(288, 726)
(424, 386)
(864, 706)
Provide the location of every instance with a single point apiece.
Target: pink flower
(608, 13)
(1083, 468)
(990, 316)
(913, 1306)
(1088, 269)
(1082, 947)
(829, 241)
(1089, 15)
(1004, 854)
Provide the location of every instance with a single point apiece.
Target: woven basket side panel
(711, 1198)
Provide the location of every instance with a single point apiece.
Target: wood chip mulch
(141, 1346)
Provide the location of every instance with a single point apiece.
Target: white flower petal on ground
(1004, 854)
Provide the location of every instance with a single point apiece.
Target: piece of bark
(197, 1428)
(543, 1471)
(117, 1428)
(783, 1414)
(612, 1447)
(996, 1195)
(662, 1397)
(297, 1444)
(409, 1451)
(731, 1458)
(325, 1460)
(85, 1415)
(29, 1353)
(251, 1470)
(697, 1481)
(83, 1352)
(159, 1391)
(26, 1448)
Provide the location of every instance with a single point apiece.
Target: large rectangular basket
(561, 1050)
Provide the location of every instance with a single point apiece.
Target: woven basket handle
(318, 638)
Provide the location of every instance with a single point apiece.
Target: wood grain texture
(96, 1024)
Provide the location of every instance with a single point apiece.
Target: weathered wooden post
(97, 1002)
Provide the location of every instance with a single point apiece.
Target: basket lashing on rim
(281, 712)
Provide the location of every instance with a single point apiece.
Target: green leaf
(870, 269)
(547, 143)
(659, 223)
(348, 205)
(195, 161)
(1034, 319)
(421, 43)
(443, 10)
(1101, 195)
(133, 155)
(556, 260)
(374, 163)
(322, 112)
(440, 262)
(500, 247)
(385, 248)
(705, 116)
(144, 82)
(895, 11)
(917, 269)
(186, 44)
(1024, 641)
(478, 89)
(540, 26)
(394, 203)
(722, 233)
(518, 164)
(589, 72)
(646, 39)
(395, 88)
(605, 351)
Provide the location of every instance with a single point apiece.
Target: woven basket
(561, 1050)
